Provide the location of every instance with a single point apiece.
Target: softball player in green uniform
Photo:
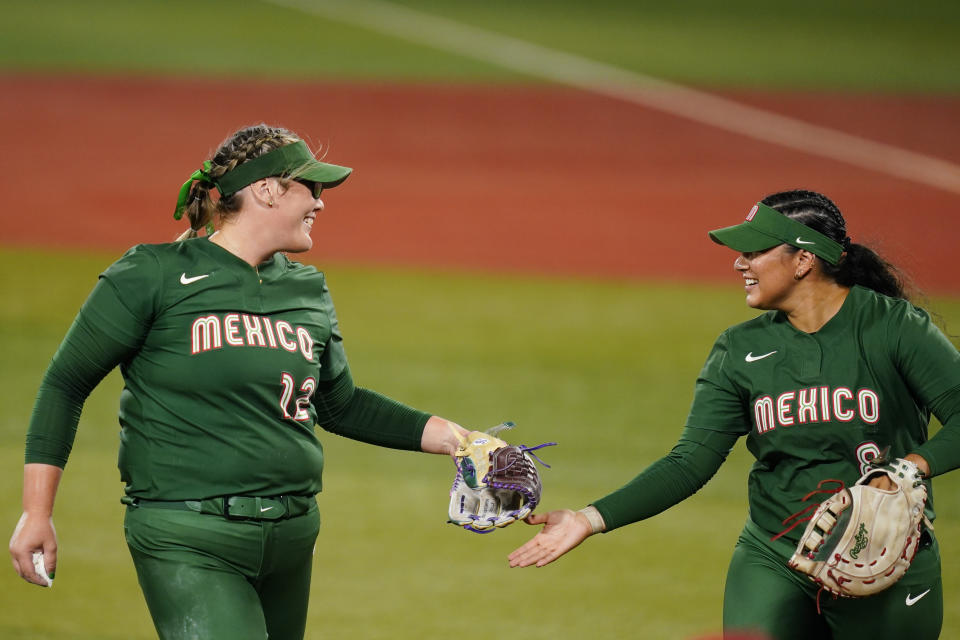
(840, 367)
(230, 354)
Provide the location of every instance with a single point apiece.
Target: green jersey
(813, 406)
(822, 405)
(226, 368)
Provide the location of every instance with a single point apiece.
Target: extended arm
(367, 416)
(673, 478)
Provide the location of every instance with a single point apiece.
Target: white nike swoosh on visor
(752, 358)
(912, 601)
(262, 509)
(799, 241)
(185, 280)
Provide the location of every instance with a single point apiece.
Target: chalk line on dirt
(604, 79)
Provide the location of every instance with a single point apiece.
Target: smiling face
(294, 214)
(768, 276)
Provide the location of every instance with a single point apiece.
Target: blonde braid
(246, 144)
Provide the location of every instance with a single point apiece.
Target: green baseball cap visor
(292, 161)
(766, 227)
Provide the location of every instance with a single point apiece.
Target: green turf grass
(884, 45)
(605, 368)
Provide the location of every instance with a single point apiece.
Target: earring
(270, 204)
(798, 276)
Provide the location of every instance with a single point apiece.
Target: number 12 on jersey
(301, 402)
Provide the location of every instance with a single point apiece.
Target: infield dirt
(533, 179)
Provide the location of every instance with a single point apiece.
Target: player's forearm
(942, 451)
(668, 481)
(343, 407)
(56, 412)
(40, 483)
(438, 436)
(373, 418)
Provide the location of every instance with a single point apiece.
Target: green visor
(766, 227)
(292, 160)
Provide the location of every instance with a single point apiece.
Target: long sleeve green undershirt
(86, 355)
(367, 416)
(942, 451)
(690, 464)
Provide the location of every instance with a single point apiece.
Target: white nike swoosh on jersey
(752, 358)
(799, 241)
(185, 280)
(262, 509)
(912, 601)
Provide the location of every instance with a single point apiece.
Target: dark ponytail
(859, 264)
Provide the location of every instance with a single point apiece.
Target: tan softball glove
(861, 540)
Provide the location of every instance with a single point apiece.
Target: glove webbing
(527, 472)
(527, 449)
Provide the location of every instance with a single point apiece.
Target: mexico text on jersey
(813, 405)
(213, 331)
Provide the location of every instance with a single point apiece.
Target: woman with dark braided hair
(840, 368)
(230, 354)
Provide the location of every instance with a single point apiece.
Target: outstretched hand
(564, 530)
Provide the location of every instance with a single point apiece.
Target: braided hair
(859, 264)
(246, 144)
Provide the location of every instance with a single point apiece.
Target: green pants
(210, 578)
(764, 596)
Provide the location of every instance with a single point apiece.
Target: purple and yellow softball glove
(496, 483)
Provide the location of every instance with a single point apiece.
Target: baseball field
(524, 238)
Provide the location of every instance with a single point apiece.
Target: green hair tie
(201, 175)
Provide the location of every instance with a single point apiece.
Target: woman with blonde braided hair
(246, 144)
(230, 353)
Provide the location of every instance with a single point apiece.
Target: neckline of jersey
(836, 323)
(266, 268)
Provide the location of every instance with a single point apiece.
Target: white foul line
(573, 70)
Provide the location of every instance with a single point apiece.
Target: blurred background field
(603, 366)
(850, 45)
